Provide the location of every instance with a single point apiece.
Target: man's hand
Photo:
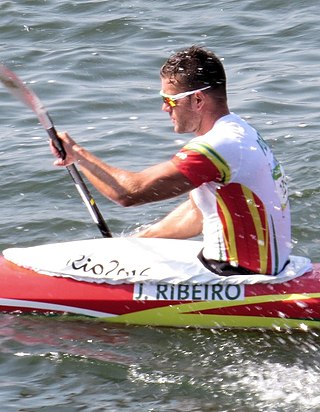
(69, 146)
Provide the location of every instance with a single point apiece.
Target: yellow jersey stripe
(213, 156)
(231, 241)
(262, 235)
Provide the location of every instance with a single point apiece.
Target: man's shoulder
(229, 129)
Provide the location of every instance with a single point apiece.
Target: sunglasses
(170, 99)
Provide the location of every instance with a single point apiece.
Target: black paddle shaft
(81, 187)
(19, 90)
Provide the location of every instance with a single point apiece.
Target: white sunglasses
(170, 99)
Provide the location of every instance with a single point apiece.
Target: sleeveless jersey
(242, 193)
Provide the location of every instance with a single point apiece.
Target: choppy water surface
(95, 65)
(59, 365)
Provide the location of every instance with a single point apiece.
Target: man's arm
(159, 182)
(183, 222)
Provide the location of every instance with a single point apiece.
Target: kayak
(158, 282)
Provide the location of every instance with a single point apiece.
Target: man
(238, 196)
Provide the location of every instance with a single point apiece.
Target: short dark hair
(194, 68)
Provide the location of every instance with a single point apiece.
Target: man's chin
(177, 129)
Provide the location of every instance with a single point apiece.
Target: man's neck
(210, 119)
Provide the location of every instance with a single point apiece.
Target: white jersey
(242, 193)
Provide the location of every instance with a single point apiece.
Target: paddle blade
(21, 92)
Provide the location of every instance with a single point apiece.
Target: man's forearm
(184, 222)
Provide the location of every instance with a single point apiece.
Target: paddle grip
(57, 142)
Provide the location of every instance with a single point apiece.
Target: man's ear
(200, 99)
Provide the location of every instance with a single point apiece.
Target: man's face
(183, 115)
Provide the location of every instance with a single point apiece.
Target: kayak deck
(294, 304)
